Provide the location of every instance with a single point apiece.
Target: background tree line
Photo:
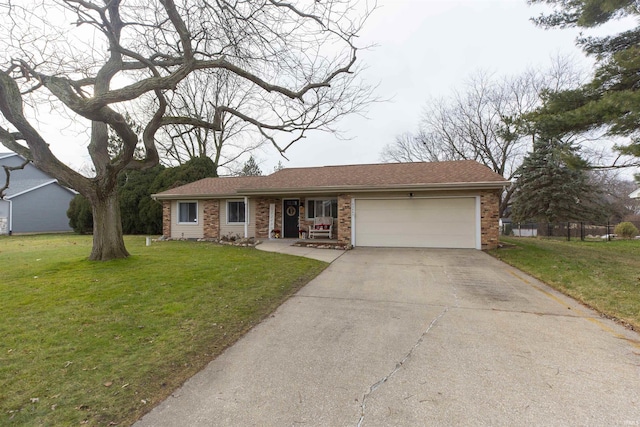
(560, 136)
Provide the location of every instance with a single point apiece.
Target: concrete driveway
(407, 337)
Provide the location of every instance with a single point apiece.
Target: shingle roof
(225, 186)
(384, 174)
(453, 174)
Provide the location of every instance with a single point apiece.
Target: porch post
(272, 218)
(246, 217)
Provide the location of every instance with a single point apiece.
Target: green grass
(602, 275)
(98, 343)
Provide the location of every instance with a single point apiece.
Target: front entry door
(291, 214)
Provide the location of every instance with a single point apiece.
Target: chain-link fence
(566, 230)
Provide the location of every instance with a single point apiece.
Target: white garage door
(429, 223)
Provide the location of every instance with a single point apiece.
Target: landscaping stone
(249, 242)
(323, 245)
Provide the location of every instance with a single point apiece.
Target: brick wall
(489, 219)
(262, 216)
(166, 218)
(211, 219)
(304, 224)
(344, 219)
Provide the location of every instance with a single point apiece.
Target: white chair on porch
(322, 227)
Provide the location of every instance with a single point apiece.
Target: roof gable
(28, 178)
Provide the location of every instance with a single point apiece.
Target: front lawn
(603, 275)
(102, 343)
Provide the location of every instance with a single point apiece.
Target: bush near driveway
(95, 343)
(626, 230)
(602, 275)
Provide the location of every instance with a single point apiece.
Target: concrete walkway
(284, 246)
(406, 337)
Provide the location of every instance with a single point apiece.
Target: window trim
(197, 212)
(227, 211)
(313, 200)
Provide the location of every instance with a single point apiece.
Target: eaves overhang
(490, 185)
(203, 196)
(44, 184)
(355, 189)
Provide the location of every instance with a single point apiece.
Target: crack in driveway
(386, 378)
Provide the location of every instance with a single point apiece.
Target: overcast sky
(425, 48)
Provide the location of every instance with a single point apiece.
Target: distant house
(34, 201)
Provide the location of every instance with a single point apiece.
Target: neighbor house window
(322, 207)
(235, 211)
(188, 212)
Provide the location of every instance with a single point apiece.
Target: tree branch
(7, 172)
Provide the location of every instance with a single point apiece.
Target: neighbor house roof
(357, 178)
(21, 186)
(18, 185)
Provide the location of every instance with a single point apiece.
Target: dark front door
(291, 214)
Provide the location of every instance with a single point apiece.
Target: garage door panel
(437, 223)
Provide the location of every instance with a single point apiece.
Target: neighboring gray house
(34, 201)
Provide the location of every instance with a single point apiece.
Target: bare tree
(481, 122)
(300, 58)
(615, 191)
(201, 94)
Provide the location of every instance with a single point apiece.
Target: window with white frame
(188, 212)
(322, 207)
(235, 212)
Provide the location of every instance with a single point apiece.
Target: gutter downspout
(246, 217)
(10, 216)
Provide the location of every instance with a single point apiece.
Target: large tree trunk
(107, 228)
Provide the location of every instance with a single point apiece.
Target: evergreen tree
(80, 216)
(139, 213)
(611, 100)
(553, 185)
(250, 168)
(193, 170)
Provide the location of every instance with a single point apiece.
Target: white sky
(425, 48)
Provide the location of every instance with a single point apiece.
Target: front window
(322, 208)
(188, 212)
(235, 212)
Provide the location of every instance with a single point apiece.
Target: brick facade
(489, 219)
(344, 219)
(211, 219)
(262, 216)
(166, 218)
